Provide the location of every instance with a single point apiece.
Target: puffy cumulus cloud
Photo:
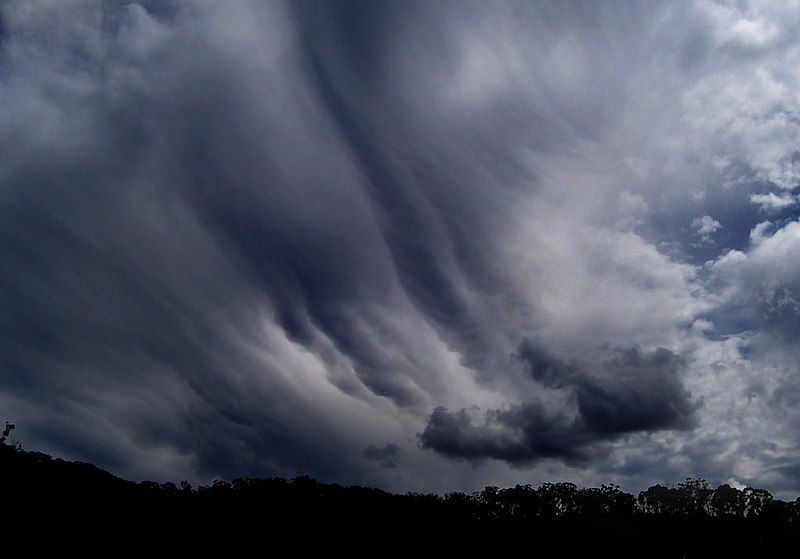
(705, 227)
(747, 368)
(764, 278)
(280, 238)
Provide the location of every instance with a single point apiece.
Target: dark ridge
(77, 503)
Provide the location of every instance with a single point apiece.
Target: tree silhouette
(728, 501)
(756, 500)
(555, 519)
(7, 428)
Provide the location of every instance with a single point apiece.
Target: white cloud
(705, 227)
(772, 202)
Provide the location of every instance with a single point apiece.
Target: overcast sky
(417, 245)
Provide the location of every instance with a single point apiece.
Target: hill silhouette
(53, 496)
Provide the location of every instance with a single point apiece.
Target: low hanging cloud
(623, 392)
(379, 242)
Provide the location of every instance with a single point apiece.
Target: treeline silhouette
(299, 514)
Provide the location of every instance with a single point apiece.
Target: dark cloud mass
(624, 392)
(381, 242)
(386, 455)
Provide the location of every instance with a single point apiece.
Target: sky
(423, 246)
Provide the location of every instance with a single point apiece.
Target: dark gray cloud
(386, 456)
(518, 435)
(623, 392)
(258, 237)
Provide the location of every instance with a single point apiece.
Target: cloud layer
(423, 246)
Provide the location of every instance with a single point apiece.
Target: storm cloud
(418, 245)
(625, 391)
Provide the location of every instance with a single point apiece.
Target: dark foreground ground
(57, 506)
